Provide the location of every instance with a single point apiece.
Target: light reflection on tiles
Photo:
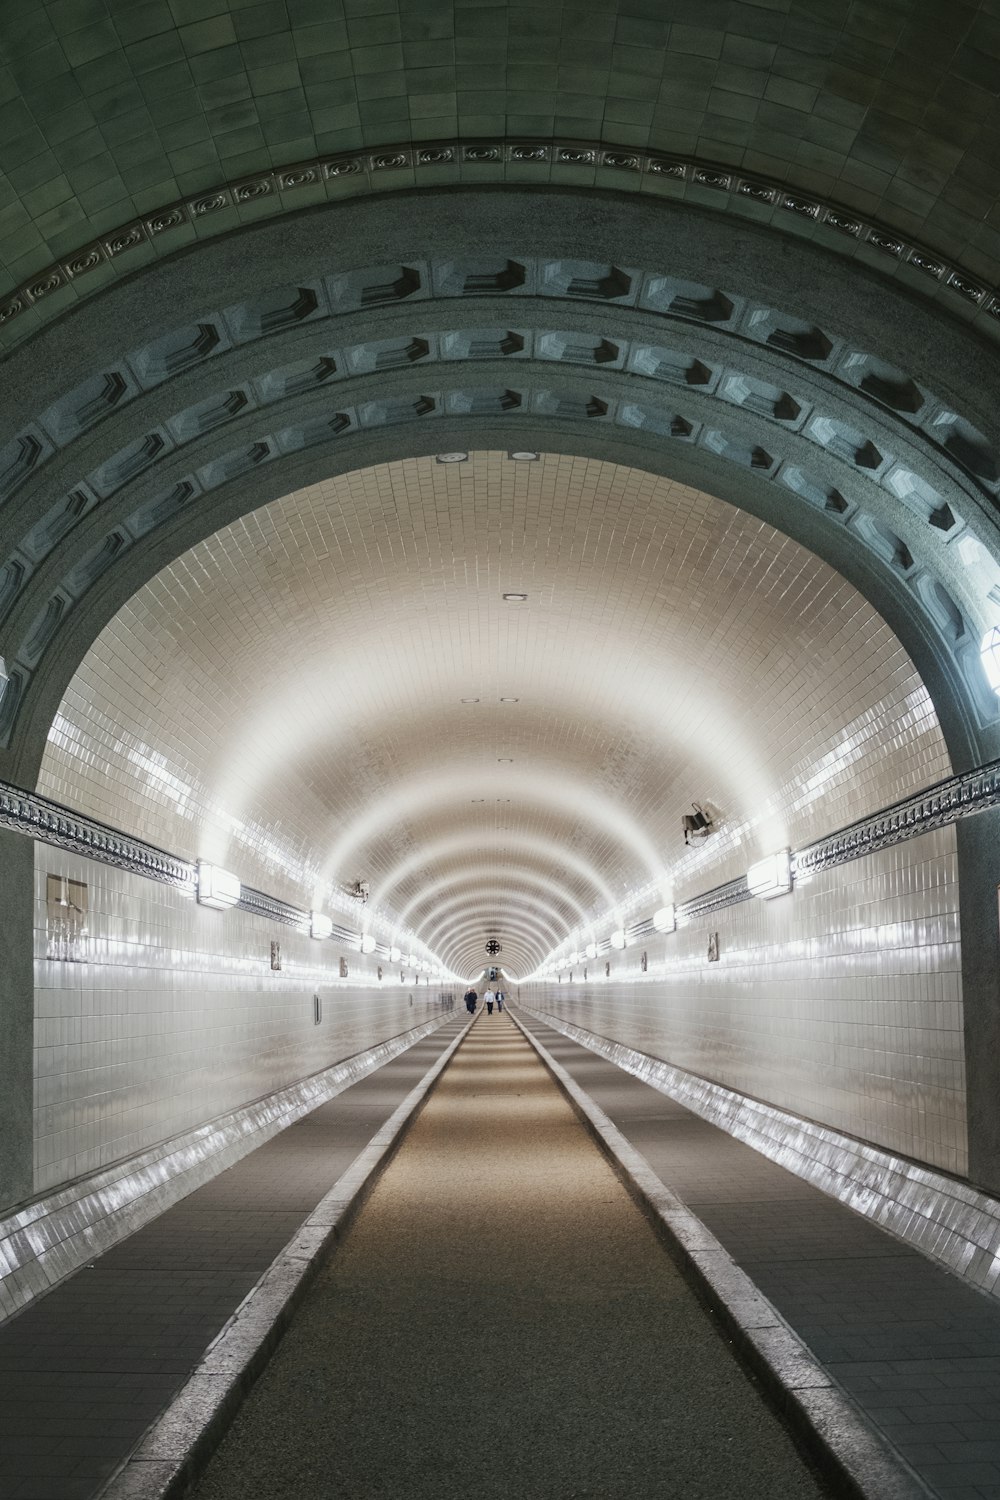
(841, 1003)
(177, 1017)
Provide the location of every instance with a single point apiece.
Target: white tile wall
(289, 691)
(841, 1003)
(176, 1017)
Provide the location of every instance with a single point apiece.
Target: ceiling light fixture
(451, 458)
(505, 760)
(515, 598)
(510, 700)
(521, 456)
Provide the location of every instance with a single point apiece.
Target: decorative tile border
(50, 823)
(555, 155)
(946, 802)
(934, 807)
(51, 1238)
(945, 1219)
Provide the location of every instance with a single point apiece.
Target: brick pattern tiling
(916, 1348)
(86, 1369)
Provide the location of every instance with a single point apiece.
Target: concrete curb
(176, 1448)
(946, 1219)
(50, 1238)
(822, 1415)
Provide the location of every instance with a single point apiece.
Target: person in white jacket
(489, 998)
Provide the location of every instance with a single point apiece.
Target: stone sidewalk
(87, 1368)
(917, 1348)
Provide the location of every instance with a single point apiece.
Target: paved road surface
(501, 1321)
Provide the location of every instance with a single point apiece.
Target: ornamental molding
(556, 159)
(937, 806)
(49, 823)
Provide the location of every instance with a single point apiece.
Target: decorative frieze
(281, 184)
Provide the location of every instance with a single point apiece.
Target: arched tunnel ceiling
(120, 121)
(859, 424)
(179, 357)
(286, 698)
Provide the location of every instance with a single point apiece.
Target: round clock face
(493, 946)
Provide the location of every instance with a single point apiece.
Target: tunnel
(499, 498)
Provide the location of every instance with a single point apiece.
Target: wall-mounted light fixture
(395, 954)
(217, 887)
(697, 825)
(771, 876)
(514, 598)
(320, 925)
(591, 950)
(617, 939)
(451, 458)
(522, 456)
(665, 920)
(368, 942)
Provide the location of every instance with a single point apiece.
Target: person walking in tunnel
(489, 998)
(470, 1001)
(500, 999)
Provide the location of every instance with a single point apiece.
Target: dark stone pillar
(978, 880)
(17, 1011)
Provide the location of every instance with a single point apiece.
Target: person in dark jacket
(470, 1001)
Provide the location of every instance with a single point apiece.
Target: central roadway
(501, 1321)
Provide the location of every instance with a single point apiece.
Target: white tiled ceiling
(286, 698)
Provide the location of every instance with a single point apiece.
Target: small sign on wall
(644, 962)
(343, 968)
(66, 908)
(317, 1009)
(275, 955)
(713, 947)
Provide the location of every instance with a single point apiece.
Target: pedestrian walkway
(500, 1321)
(916, 1347)
(85, 1370)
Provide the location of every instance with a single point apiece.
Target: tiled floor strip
(916, 1348)
(88, 1368)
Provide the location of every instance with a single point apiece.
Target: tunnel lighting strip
(937, 806)
(377, 167)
